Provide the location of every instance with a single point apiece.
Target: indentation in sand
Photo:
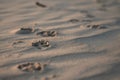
(40, 5)
(47, 33)
(96, 26)
(19, 44)
(25, 31)
(41, 44)
(74, 20)
(30, 67)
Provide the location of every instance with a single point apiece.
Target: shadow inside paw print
(40, 5)
(73, 20)
(47, 33)
(41, 44)
(90, 16)
(30, 67)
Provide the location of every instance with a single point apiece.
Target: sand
(85, 44)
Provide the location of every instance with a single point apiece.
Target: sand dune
(59, 40)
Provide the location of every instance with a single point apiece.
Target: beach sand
(59, 39)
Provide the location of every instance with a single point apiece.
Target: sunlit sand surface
(59, 39)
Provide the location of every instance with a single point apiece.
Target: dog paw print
(41, 44)
(96, 26)
(47, 33)
(30, 67)
(25, 30)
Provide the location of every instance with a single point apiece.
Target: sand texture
(59, 39)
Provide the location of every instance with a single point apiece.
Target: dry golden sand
(84, 46)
